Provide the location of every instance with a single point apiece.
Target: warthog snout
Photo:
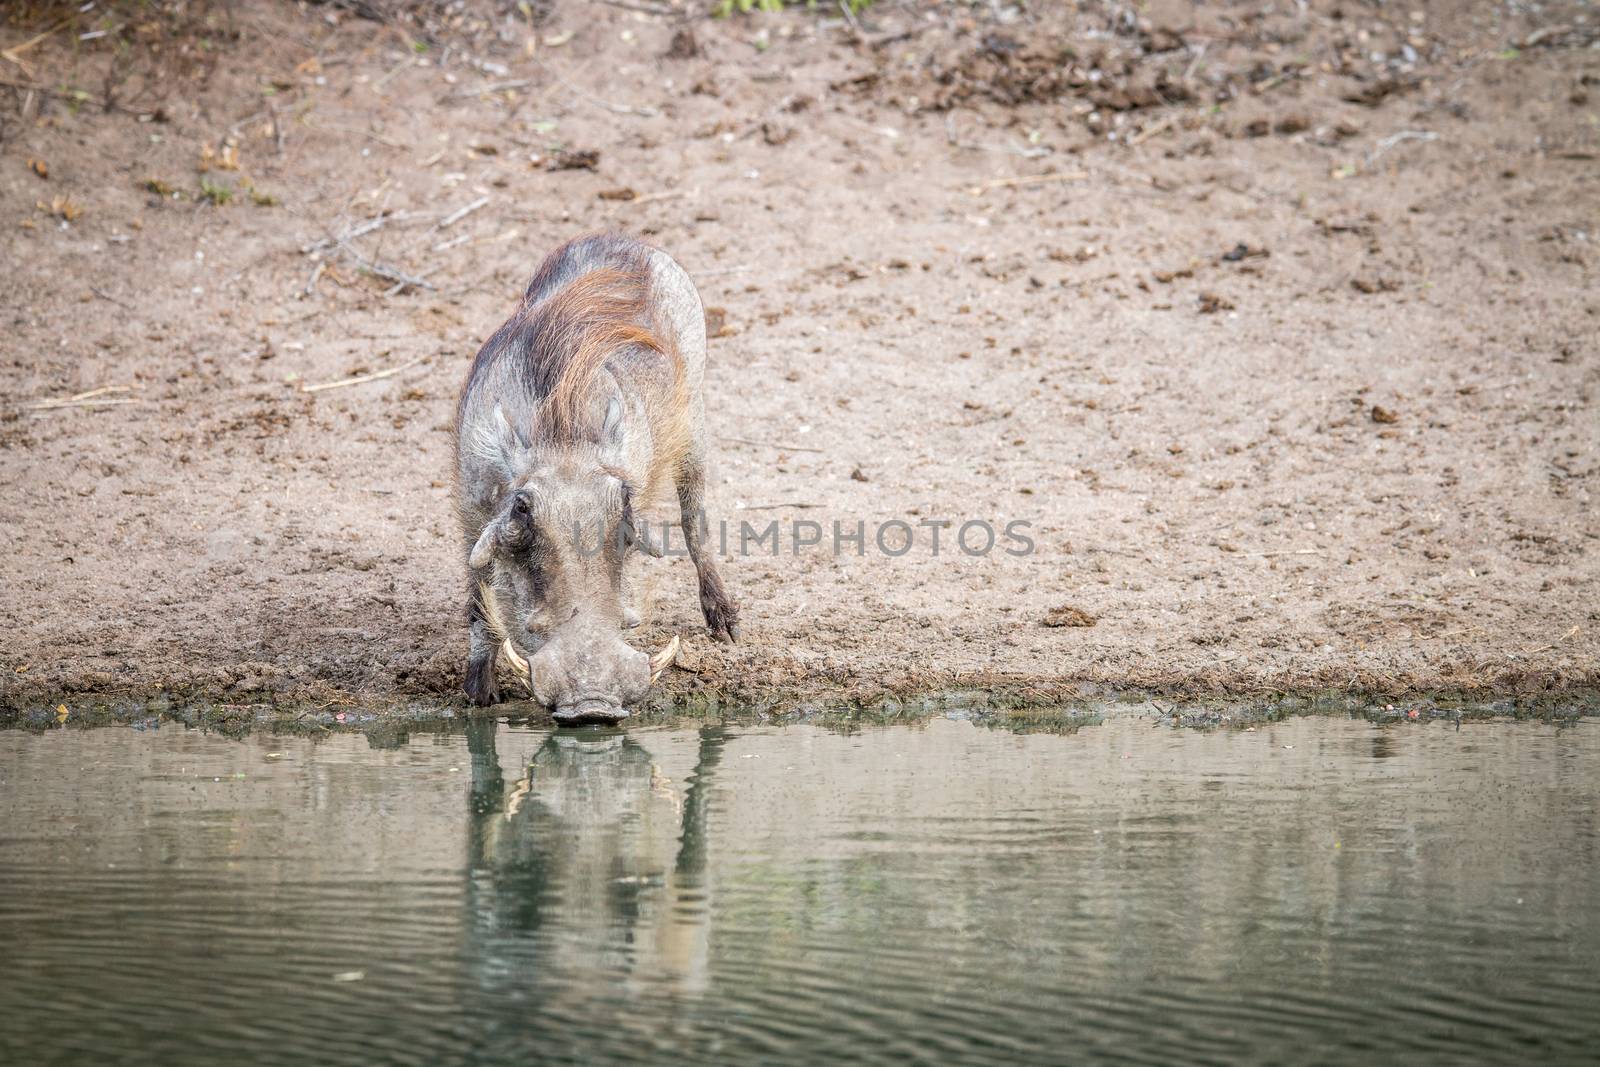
(586, 673)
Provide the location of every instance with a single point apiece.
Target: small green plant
(75, 98)
(214, 193)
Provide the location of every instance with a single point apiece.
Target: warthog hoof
(589, 711)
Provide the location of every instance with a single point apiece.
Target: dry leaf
(575, 159)
(225, 158)
(61, 207)
(1066, 615)
(39, 167)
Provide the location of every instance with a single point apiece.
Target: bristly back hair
(590, 306)
(575, 331)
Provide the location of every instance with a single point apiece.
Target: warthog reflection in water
(589, 866)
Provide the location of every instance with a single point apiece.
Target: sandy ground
(1277, 324)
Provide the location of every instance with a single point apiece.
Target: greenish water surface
(1318, 890)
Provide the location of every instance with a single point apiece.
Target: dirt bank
(1278, 329)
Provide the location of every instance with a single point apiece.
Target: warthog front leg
(722, 614)
(482, 649)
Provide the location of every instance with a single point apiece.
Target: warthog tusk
(518, 664)
(659, 661)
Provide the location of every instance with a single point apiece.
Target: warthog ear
(498, 443)
(512, 444)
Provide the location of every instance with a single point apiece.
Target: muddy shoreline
(390, 723)
(1277, 330)
(993, 702)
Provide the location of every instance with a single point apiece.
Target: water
(1319, 890)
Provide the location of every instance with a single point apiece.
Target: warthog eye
(519, 507)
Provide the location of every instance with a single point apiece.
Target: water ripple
(939, 895)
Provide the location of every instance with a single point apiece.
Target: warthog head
(556, 544)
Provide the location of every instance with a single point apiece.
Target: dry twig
(850, 17)
(1034, 152)
(362, 379)
(359, 230)
(1029, 179)
(1152, 130)
(380, 138)
(646, 198)
(1396, 138)
(316, 276)
(771, 444)
(103, 295)
(277, 126)
(456, 216)
(616, 109)
(648, 9)
(492, 87)
(94, 398)
(401, 279)
(14, 53)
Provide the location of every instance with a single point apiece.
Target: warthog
(583, 406)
